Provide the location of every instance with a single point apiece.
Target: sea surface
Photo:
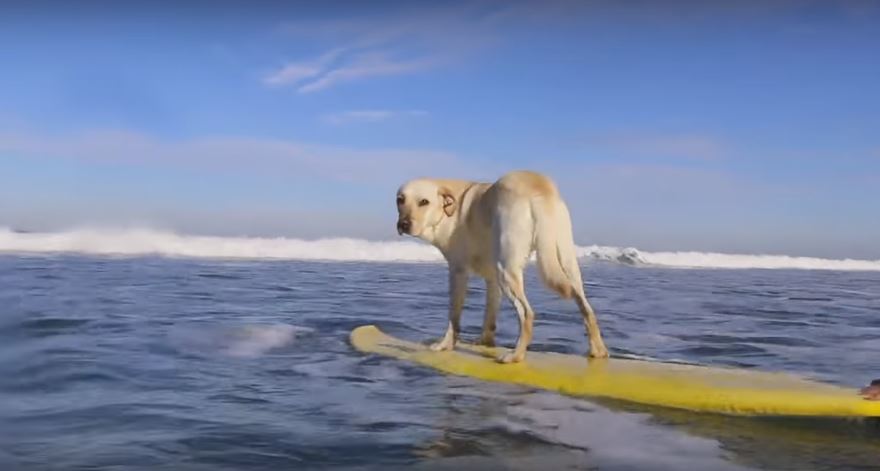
(173, 363)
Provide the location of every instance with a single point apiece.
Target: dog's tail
(554, 244)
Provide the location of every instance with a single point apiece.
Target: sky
(744, 127)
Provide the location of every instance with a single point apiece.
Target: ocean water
(237, 358)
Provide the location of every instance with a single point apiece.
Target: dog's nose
(403, 226)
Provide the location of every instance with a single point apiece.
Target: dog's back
(526, 183)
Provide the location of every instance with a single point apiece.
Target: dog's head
(422, 204)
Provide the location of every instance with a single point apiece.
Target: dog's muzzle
(403, 226)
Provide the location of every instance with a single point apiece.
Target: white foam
(138, 242)
(239, 341)
(252, 341)
(720, 260)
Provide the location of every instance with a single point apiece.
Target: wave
(777, 262)
(143, 242)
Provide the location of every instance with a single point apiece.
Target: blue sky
(751, 127)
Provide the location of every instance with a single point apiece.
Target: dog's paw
(510, 357)
(441, 346)
(599, 353)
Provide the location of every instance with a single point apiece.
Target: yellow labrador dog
(491, 230)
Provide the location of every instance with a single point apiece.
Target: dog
(491, 230)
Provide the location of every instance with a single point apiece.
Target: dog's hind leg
(558, 266)
(597, 345)
(514, 234)
(511, 280)
(569, 261)
(493, 304)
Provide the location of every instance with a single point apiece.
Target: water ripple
(180, 364)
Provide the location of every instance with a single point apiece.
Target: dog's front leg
(458, 279)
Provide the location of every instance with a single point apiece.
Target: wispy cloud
(651, 144)
(369, 116)
(242, 154)
(342, 65)
(363, 66)
(297, 72)
(399, 42)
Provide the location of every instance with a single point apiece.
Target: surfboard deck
(733, 391)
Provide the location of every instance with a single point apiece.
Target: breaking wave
(141, 242)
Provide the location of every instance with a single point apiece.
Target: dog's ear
(448, 201)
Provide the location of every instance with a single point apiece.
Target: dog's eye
(423, 203)
(399, 199)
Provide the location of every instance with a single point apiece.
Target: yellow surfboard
(691, 387)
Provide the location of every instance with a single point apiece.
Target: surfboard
(723, 390)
